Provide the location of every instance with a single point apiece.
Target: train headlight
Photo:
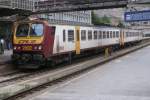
(15, 47)
(35, 48)
(40, 47)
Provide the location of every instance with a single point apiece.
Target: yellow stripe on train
(28, 40)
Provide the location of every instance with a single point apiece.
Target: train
(38, 42)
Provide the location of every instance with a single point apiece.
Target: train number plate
(27, 48)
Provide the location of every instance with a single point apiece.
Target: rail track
(31, 82)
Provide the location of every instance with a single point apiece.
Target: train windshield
(36, 30)
(22, 30)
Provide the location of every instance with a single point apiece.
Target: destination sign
(137, 16)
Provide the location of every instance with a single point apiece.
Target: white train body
(40, 42)
(101, 37)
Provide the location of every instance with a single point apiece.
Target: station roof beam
(51, 6)
(11, 7)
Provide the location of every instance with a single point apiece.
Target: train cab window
(70, 35)
(100, 34)
(117, 34)
(95, 35)
(83, 34)
(107, 34)
(64, 35)
(89, 35)
(22, 30)
(114, 34)
(111, 34)
(36, 30)
(104, 34)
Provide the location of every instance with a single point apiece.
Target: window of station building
(95, 35)
(89, 35)
(70, 35)
(117, 34)
(107, 34)
(64, 35)
(100, 34)
(111, 34)
(83, 34)
(114, 34)
(104, 34)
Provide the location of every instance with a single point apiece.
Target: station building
(77, 17)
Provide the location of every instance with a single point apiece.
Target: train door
(77, 40)
(122, 37)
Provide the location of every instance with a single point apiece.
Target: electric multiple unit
(38, 42)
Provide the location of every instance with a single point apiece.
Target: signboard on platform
(137, 16)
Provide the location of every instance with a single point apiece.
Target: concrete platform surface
(5, 57)
(126, 78)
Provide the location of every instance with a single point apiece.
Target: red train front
(32, 42)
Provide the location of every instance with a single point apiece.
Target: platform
(126, 78)
(6, 57)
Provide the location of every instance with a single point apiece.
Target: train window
(36, 30)
(126, 34)
(22, 30)
(83, 34)
(95, 35)
(107, 34)
(89, 35)
(114, 34)
(111, 34)
(136, 33)
(64, 35)
(70, 35)
(100, 34)
(117, 34)
(129, 34)
(104, 34)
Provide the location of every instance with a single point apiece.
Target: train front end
(28, 43)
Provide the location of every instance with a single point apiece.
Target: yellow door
(122, 38)
(77, 40)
